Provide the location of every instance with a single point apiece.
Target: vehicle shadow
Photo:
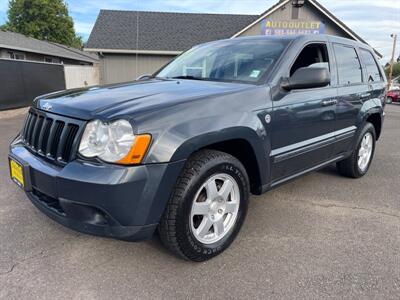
(330, 170)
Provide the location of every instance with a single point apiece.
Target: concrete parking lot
(321, 236)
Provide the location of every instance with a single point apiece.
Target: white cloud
(392, 4)
(3, 5)
(83, 27)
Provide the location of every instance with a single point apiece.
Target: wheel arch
(376, 120)
(372, 112)
(242, 143)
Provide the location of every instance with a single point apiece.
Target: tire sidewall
(209, 169)
(367, 128)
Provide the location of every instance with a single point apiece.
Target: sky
(373, 20)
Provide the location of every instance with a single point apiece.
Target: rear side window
(349, 67)
(372, 69)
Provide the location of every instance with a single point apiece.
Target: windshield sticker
(255, 73)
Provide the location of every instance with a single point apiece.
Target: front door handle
(329, 102)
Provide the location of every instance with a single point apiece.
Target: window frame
(359, 61)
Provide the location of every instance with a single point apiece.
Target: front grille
(51, 136)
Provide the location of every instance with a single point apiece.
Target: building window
(17, 55)
(51, 60)
(48, 60)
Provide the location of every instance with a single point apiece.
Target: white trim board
(128, 51)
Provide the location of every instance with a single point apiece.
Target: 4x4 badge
(268, 118)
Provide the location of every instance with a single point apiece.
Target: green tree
(44, 20)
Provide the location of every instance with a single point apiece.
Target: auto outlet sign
(270, 27)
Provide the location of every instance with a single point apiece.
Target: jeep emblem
(47, 106)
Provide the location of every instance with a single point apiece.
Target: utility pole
(394, 36)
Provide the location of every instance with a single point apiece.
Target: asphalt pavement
(321, 236)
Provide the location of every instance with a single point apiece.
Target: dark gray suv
(180, 151)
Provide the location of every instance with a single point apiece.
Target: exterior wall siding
(116, 68)
(81, 76)
(306, 13)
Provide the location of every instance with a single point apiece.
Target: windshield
(245, 60)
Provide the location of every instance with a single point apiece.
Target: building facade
(133, 43)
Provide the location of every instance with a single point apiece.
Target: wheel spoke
(226, 189)
(204, 227)
(367, 140)
(219, 227)
(211, 188)
(200, 208)
(360, 162)
(230, 207)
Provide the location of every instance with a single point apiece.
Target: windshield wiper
(188, 77)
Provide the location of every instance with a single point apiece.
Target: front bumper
(107, 200)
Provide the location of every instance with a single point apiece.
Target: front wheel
(358, 163)
(207, 207)
(389, 100)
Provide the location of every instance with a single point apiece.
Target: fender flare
(233, 133)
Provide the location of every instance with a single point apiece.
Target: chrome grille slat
(37, 132)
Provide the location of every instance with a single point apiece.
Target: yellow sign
(17, 173)
(291, 27)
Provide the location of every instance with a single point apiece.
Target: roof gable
(316, 5)
(161, 31)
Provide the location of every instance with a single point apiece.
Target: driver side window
(312, 56)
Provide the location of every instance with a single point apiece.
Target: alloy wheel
(215, 208)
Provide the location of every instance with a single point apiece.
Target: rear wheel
(207, 207)
(358, 163)
(389, 100)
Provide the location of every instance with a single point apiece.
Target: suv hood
(124, 99)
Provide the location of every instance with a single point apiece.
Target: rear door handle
(329, 102)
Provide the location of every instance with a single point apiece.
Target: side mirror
(144, 77)
(306, 78)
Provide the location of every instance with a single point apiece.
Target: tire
(350, 167)
(389, 100)
(177, 228)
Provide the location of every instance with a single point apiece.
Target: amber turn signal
(138, 150)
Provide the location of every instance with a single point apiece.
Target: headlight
(113, 142)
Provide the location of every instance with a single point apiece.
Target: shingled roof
(161, 31)
(16, 41)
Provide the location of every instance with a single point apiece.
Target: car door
(352, 92)
(304, 119)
